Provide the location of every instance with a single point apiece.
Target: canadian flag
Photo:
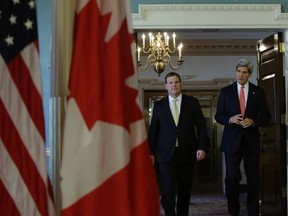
(106, 169)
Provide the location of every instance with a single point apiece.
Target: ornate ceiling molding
(189, 16)
(219, 47)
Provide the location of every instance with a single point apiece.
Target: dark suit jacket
(163, 131)
(256, 109)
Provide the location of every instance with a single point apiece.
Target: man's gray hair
(245, 63)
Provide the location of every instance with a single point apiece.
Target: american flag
(106, 168)
(24, 183)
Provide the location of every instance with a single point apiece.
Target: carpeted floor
(212, 204)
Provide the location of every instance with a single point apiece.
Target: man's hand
(247, 122)
(200, 155)
(236, 119)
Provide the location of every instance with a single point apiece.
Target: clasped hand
(200, 155)
(237, 119)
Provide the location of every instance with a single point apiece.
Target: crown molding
(197, 16)
(219, 47)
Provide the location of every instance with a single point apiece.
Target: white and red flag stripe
(106, 169)
(24, 185)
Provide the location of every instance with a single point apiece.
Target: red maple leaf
(100, 69)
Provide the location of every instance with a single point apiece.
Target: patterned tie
(242, 100)
(175, 111)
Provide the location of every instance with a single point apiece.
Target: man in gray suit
(241, 138)
(175, 144)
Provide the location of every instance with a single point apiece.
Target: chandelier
(158, 50)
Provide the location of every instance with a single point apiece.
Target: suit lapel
(250, 99)
(166, 109)
(235, 96)
(182, 108)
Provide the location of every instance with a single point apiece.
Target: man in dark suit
(175, 144)
(241, 139)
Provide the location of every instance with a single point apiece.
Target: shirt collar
(171, 99)
(245, 86)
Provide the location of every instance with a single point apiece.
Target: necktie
(175, 111)
(242, 100)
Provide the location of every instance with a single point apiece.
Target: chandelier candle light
(158, 50)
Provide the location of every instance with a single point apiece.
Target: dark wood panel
(269, 88)
(268, 138)
(273, 136)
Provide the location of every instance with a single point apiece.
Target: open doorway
(213, 33)
(209, 57)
